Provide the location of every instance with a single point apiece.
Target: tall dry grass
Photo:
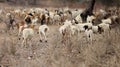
(104, 51)
(75, 52)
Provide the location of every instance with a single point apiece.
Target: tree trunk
(34, 2)
(88, 10)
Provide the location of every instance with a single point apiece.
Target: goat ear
(85, 27)
(75, 21)
(93, 21)
(88, 16)
(37, 32)
(100, 30)
(19, 38)
(30, 14)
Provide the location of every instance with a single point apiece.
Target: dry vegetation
(76, 52)
(104, 51)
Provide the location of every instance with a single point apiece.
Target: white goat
(78, 19)
(8, 14)
(56, 18)
(34, 20)
(17, 12)
(67, 22)
(105, 27)
(97, 29)
(89, 35)
(73, 29)
(90, 19)
(81, 26)
(27, 34)
(21, 29)
(63, 28)
(103, 12)
(66, 28)
(43, 29)
(107, 21)
(76, 12)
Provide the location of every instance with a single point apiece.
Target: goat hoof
(46, 41)
(40, 40)
(37, 32)
(19, 38)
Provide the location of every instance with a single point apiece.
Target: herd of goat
(69, 20)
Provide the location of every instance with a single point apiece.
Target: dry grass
(76, 52)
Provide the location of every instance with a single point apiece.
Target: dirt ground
(50, 54)
(76, 52)
(103, 52)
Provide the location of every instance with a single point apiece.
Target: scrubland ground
(104, 51)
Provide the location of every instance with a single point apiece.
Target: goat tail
(46, 29)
